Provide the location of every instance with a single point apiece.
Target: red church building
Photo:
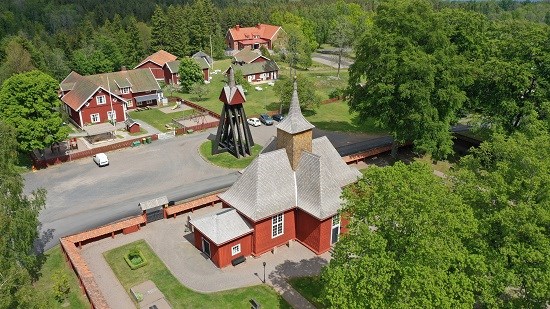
(290, 192)
(101, 98)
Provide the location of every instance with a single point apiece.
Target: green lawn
(157, 118)
(258, 102)
(309, 287)
(336, 117)
(178, 295)
(226, 159)
(44, 287)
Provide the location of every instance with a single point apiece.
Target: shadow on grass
(289, 269)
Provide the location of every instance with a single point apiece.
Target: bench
(255, 304)
(238, 260)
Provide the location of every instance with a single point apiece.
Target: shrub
(135, 259)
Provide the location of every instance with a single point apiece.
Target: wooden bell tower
(233, 132)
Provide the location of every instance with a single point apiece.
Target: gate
(154, 214)
(154, 209)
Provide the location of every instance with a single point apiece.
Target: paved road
(331, 60)
(82, 196)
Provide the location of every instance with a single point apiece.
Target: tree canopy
(189, 73)
(407, 246)
(306, 91)
(28, 102)
(409, 77)
(19, 265)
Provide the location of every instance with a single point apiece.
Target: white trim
(209, 247)
(92, 118)
(103, 98)
(235, 252)
(80, 117)
(110, 115)
(125, 92)
(271, 39)
(333, 226)
(99, 87)
(281, 223)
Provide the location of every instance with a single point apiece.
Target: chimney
(258, 25)
(237, 27)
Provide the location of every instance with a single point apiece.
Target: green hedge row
(134, 253)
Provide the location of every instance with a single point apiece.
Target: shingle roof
(173, 66)
(269, 186)
(83, 87)
(295, 122)
(223, 226)
(266, 187)
(160, 58)
(256, 67)
(264, 31)
(156, 202)
(201, 54)
(318, 191)
(202, 63)
(69, 81)
(247, 55)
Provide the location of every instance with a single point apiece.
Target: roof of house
(247, 55)
(174, 66)
(256, 67)
(264, 31)
(222, 226)
(83, 87)
(160, 58)
(201, 54)
(295, 122)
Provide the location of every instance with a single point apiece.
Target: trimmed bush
(135, 259)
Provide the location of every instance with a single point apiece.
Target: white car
(255, 122)
(101, 159)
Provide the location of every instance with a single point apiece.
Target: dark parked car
(265, 119)
(278, 117)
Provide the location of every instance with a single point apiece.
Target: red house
(171, 70)
(290, 192)
(156, 62)
(239, 37)
(255, 67)
(101, 98)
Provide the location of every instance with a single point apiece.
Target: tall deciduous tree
(189, 73)
(19, 265)
(341, 37)
(407, 245)
(507, 183)
(408, 76)
(306, 91)
(28, 101)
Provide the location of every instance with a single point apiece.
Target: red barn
(239, 37)
(156, 62)
(105, 97)
(171, 70)
(290, 192)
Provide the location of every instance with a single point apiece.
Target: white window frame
(336, 220)
(92, 118)
(129, 103)
(125, 90)
(236, 249)
(110, 115)
(277, 225)
(101, 100)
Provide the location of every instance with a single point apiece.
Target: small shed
(154, 209)
(132, 126)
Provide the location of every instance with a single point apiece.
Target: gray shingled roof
(156, 202)
(247, 55)
(223, 226)
(205, 56)
(257, 67)
(295, 122)
(266, 187)
(173, 66)
(318, 191)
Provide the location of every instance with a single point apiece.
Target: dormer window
(125, 90)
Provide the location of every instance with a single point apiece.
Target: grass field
(157, 118)
(178, 295)
(44, 287)
(336, 117)
(226, 159)
(308, 287)
(258, 102)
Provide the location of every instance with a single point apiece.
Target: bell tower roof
(295, 122)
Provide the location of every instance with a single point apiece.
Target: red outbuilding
(290, 192)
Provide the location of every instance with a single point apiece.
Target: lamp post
(264, 272)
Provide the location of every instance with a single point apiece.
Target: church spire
(295, 122)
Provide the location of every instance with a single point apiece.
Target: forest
(91, 36)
